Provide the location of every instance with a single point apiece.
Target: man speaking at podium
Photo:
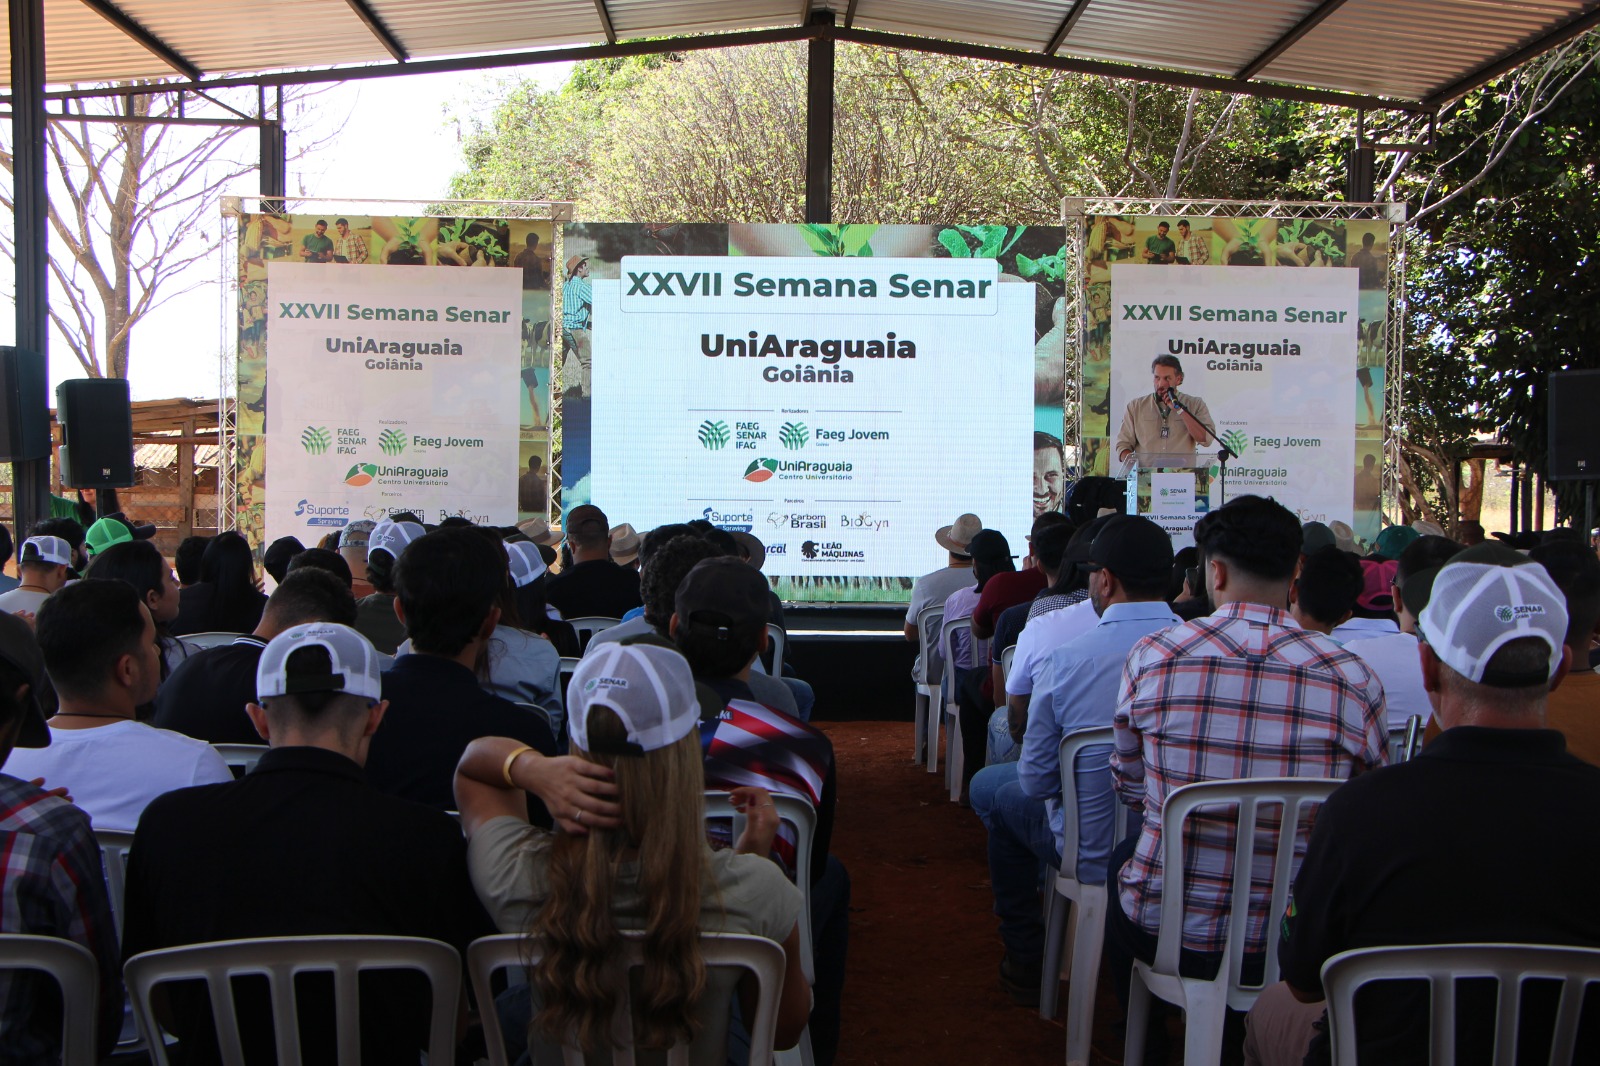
(1166, 420)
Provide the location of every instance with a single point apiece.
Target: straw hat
(624, 544)
(957, 535)
(752, 547)
(538, 531)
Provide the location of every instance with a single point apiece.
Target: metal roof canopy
(1410, 55)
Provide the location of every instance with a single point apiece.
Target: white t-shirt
(1393, 657)
(113, 771)
(20, 599)
(1041, 636)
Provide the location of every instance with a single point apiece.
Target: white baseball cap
(354, 668)
(392, 536)
(1476, 608)
(527, 565)
(51, 550)
(649, 686)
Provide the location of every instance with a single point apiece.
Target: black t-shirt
(436, 709)
(1486, 836)
(299, 846)
(598, 587)
(205, 696)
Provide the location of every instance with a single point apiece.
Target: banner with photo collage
(1281, 331)
(388, 371)
(839, 391)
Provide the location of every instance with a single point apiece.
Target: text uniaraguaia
(755, 346)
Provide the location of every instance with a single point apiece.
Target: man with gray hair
(1458, 845)
(1165, 420)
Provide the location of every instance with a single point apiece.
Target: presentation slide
(388, 392)
(841, 409)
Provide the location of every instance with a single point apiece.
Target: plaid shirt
(1242, 693)
(1196, 248)
(353, 247)
(51, 884)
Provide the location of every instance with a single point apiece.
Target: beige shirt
(509, 861)
(1141, 425)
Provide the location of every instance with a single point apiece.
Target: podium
(1172, 489)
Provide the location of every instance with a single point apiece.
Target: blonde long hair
(579, 977)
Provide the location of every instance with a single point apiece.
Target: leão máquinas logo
(761, 469)
(794, 435)
(361, 474)
(392, 441)
(316, 439)
(714, 434)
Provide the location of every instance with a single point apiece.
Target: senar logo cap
(649, 686)
(354, 667)
(392, 536)
(1476, 608)
(527, 565)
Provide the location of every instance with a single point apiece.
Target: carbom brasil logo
(392, 441)
(760, 469)
(714, 434)
(361, 474)
(1236, 439)
(316, 439)
(794, 435)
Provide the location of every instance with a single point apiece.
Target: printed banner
(808, 401)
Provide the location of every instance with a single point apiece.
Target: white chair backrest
(1074, 744)
(542, 714)
(947, 650)
(1295, 796)
(759, 957)
(72, 967)
(564, 672)
(1405, 741)
(280, 960)
(776, 641)
(114, 845)
(1006, 658)
(796, 813)
(590, 624)
(210, 640)
(1445, 964)
(242, 757)
(929, 622)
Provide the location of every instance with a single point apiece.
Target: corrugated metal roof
(161, 456)
(1403, 50)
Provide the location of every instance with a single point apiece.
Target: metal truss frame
(1075, 338)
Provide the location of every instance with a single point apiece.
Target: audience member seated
(99, 647)
(522, 665)
(186, 560)
(140, 564)
(51, 879)
(1020, 802)
(353, 547)
(324, 559)
(206, 696)
(593, 585)
(529, 576)
(275, 560)
(1457, 845)
(42, 564)
(1324, 593)
(1574, 707)
(446, 583)
(1393, 656)
(631, 855)
(228, 598)
(302, 845)
(375, 617)
(1375, 613)
(719, 623)
(934, 588)
(1244, 692)
(974, 695)
(7, 548)
(625, 546)
(69, 531)
(112, 530)
(1049, 548)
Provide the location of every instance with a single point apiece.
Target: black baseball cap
(723, 593)
(991, 546)
(1134, 548)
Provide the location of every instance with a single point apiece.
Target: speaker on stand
(1575, 432)
(96, 416)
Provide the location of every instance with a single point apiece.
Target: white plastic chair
(1406, 741)
(564, 672)
(1007, 657)
(777, 639)
(925, 735)
(213, 639)
(540, 713)
(757, 956)
(953, 762)
(1205, 1003)
(1445, 964)
(280, 960)
(797, 813)
(242, 757)
(1085, 937)
(73, 968)
(114, 845)
(590, 624)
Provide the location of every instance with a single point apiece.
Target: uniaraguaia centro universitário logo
(361, 474)
(316, 439)
(794, 435)
(714, 434)
(761, 470)
(392, 441)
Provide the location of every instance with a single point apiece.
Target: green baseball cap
(104, 533)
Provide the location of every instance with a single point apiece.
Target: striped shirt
(576, 297)
(51, 884)
(1244, 692)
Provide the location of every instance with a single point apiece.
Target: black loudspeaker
(96, 417)
(1574, 425)
(24, 419)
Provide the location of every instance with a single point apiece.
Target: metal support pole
(1516, 486)
(30, 472)
(819, 123)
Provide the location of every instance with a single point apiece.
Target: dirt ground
(922, 983)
